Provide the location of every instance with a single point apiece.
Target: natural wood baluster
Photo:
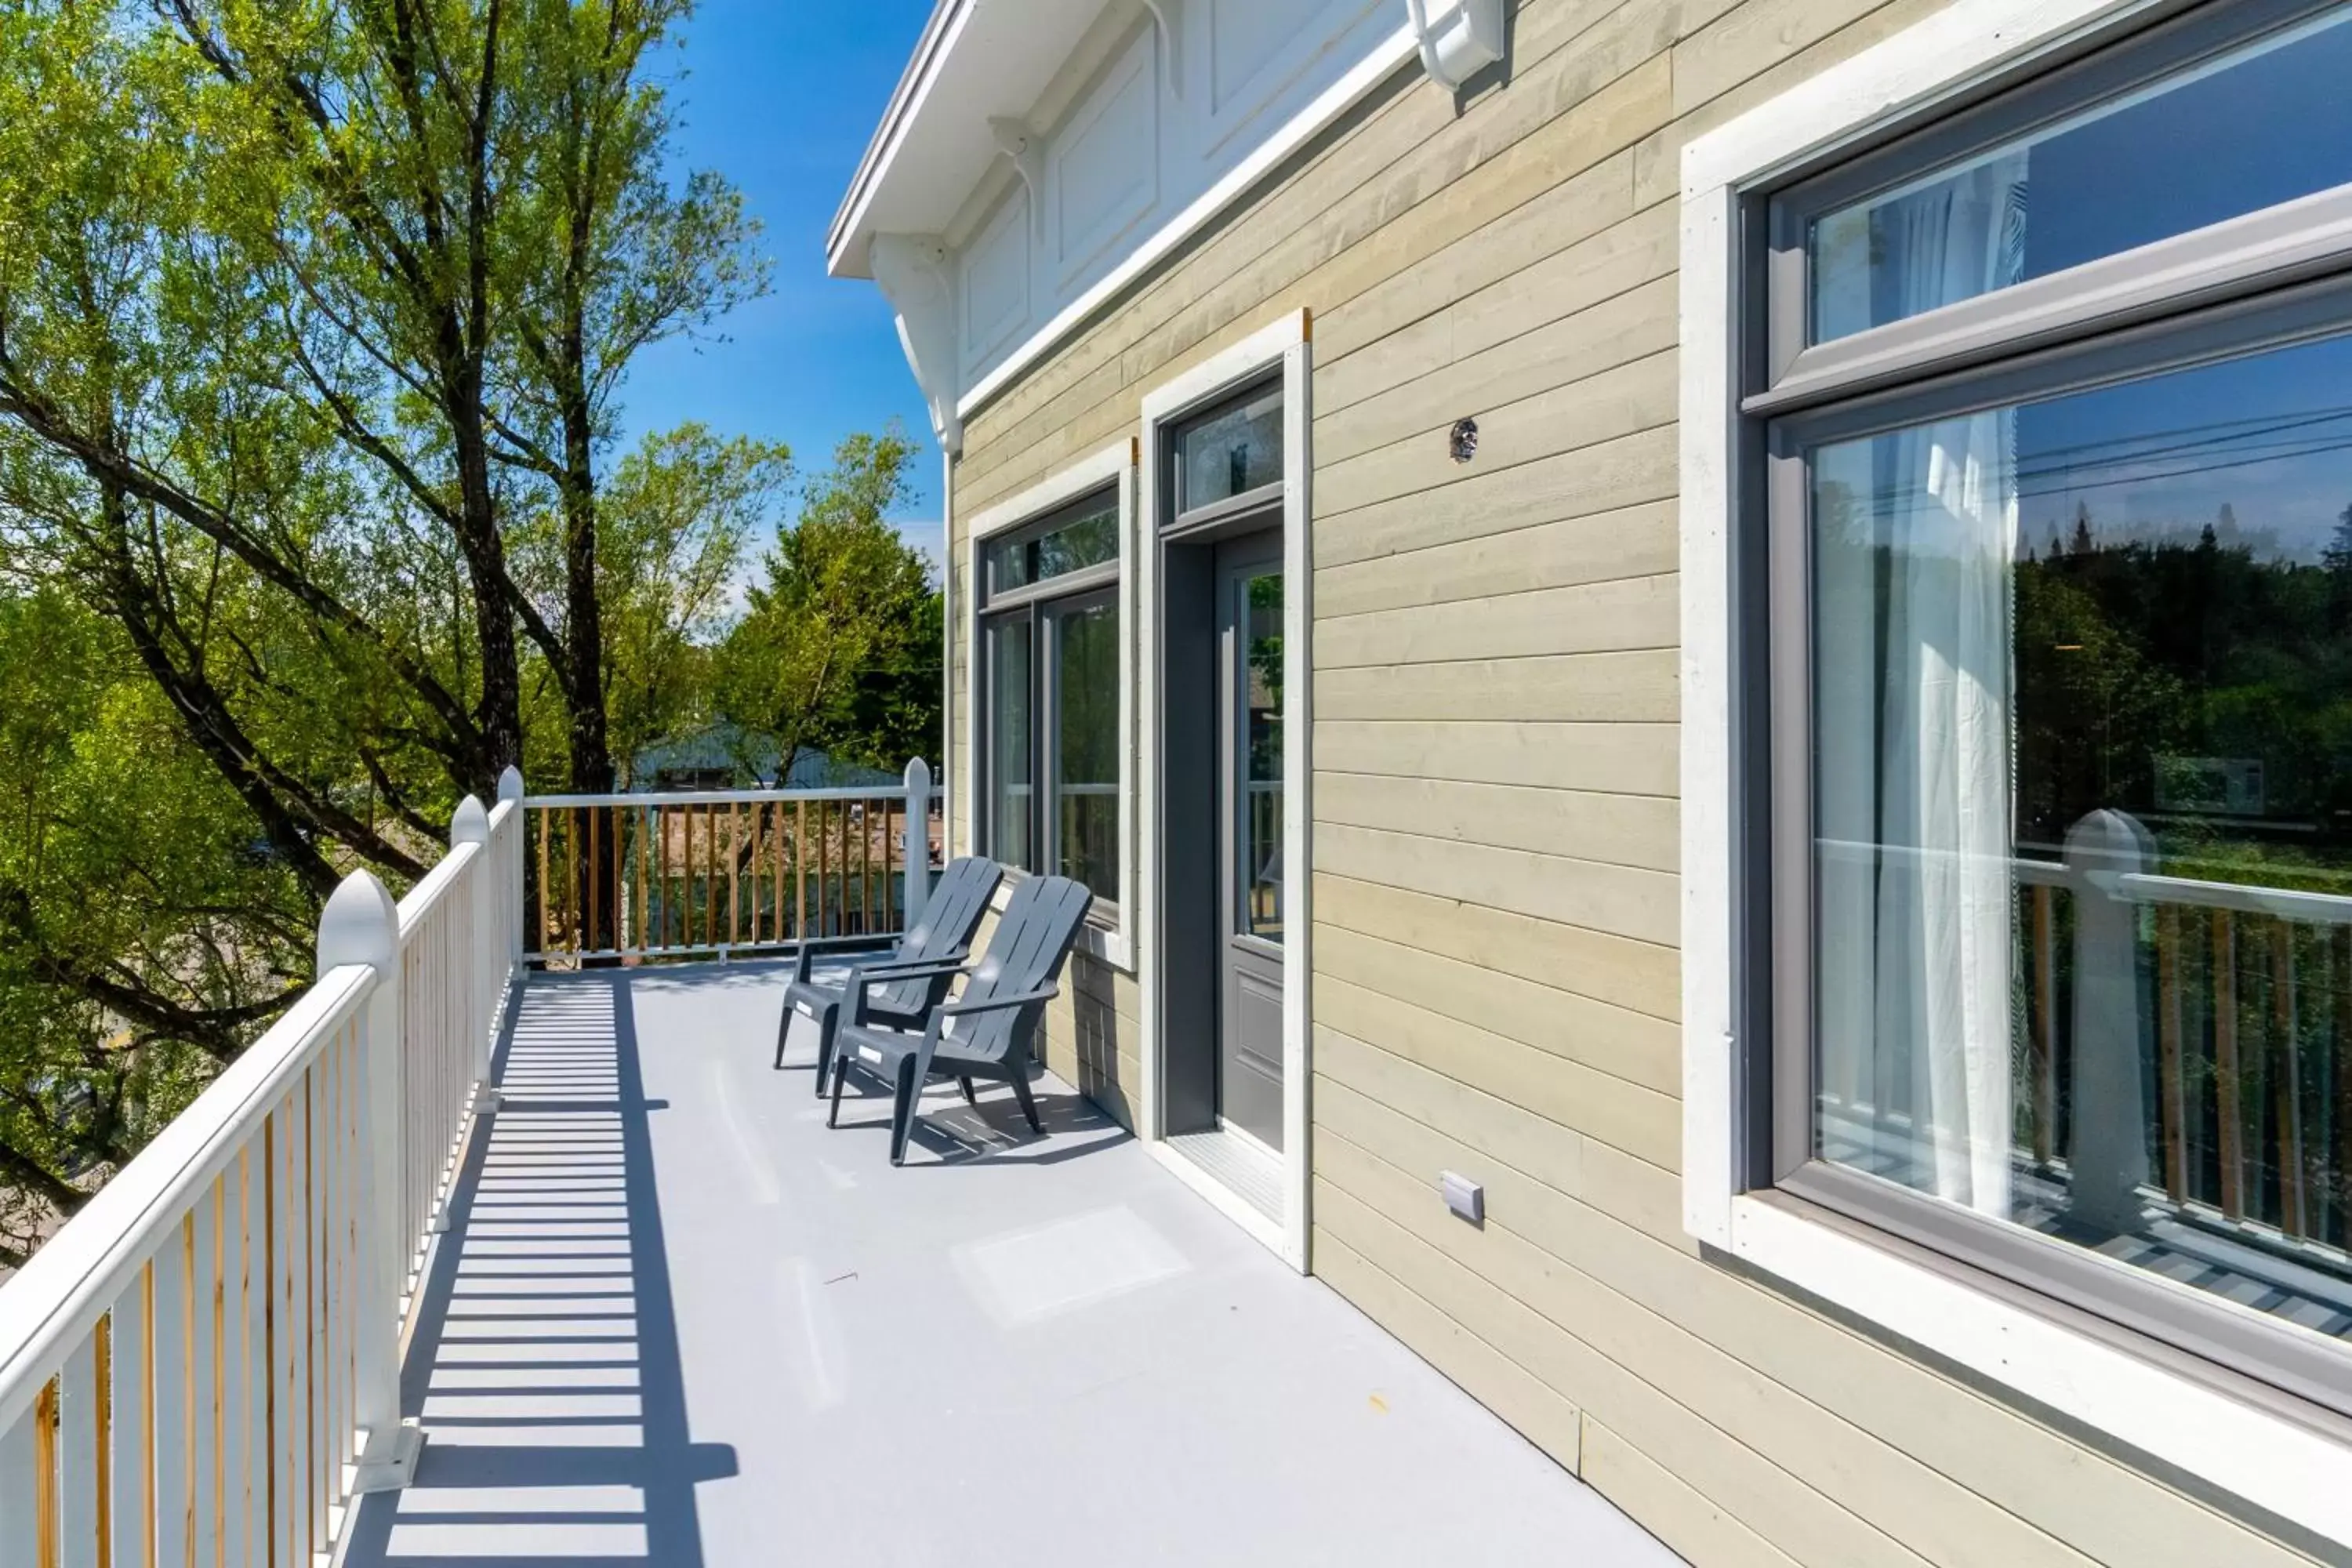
(824, 868)
(800, 874)
(2171, 1119)
(643, 913)
(776, 845)
(545, 826)
(572, 906)
(2231, 1112)
(2041, 1047)
(734, 874)
(596, 877)
(889, 888)
(2287, 1092)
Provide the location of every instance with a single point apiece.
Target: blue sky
(780, 98)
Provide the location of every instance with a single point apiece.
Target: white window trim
(1285, 343)
(2280, 1466)
(1111, 465)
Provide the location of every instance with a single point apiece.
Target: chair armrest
(996, 1003)
(897, 969)
(861, 978)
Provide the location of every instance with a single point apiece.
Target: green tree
(839, 648)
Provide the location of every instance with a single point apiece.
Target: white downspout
(947, 774)
(1463, 43)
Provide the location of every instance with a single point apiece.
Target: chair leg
(823, 1060)
(1028, 1102)
(784, 1029)
(968, 1097)
(902, 1113)
(840, 1072)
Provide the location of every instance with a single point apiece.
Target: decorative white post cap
(361, 924)
(470, 825)
(511, 784)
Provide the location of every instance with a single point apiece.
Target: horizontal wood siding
(1495, 836)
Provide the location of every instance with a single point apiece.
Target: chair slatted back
(1025, 953)
(949, 916)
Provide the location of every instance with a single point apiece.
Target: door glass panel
(1231, 452)
(1010, 785)
(1260, 759)
(1085, 786)
(2257, 126)
(2083, 820)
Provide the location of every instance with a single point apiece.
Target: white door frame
(1285, 343)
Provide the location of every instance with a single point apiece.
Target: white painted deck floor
(680, 1321)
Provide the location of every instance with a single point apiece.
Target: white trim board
(2287, 1469)
(1112, 465)
(1392, 53)
(1287, 343)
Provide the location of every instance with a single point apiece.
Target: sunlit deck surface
(679, 1321)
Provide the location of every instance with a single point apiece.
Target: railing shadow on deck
(554, 1435)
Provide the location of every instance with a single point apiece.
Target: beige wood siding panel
(1638, 541)
(1777, 1505)
(2113, 1515)
(1642, 831)
(1607, 477)
(1351, 1070)
(1635, 687)
(1617, 900)
(1640, 1121)
(1633, 326)
(1604, 399)
(1616, 617)
(1701, 1533)
(1607, 759)
(1615, 1041)
(1926, 1511)
(1640, 977)
(1509, 1390)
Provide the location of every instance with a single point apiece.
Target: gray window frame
(1042, 604)
(1185, 518)
(2270, 279)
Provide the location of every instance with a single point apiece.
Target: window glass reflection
(2083, 792)
(2259, 125)
(1231, 452)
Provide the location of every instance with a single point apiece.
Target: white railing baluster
(131, 1462)
(238, 1412)
(20, 1492)
(173, 1446)
(77, 1467)
(204, 1384)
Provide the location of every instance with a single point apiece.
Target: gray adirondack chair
(904, 985)
(987, 1030)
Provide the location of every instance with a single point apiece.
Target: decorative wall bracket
(1467, 37)
(912, 272)
(1168, 16)
(1018, 143)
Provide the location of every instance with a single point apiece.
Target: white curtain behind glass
(1916, 533)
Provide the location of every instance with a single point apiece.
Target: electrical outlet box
(1466, 1198)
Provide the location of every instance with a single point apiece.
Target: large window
(1048, 621)
(2051, 438)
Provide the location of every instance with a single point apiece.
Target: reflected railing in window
(2181, 1072)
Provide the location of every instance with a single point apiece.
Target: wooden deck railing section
(620, 876)
(2228, 1005)
(203, 1366)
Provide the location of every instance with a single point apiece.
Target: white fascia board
(1392, 54)
(923, 67)
(2291, 1470)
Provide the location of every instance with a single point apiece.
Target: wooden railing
(2229, 1003)
(692, 873)
(202, 1365)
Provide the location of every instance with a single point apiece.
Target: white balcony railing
(204, 1365)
